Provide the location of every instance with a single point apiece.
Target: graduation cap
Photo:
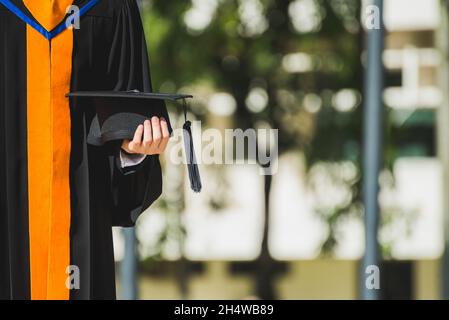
(119, 113)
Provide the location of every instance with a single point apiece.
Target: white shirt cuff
(129, 160)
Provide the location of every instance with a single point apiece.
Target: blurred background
(298, 66)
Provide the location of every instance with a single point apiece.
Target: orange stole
(49, 13)
(48, 122)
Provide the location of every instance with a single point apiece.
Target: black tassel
(192, 165)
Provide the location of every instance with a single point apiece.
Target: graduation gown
(60, 195)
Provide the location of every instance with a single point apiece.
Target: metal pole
(128, 269)
(372, 148)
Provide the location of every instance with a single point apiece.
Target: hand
(150, 138)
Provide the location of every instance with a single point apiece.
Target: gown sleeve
(134, 188)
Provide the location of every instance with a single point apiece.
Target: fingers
(138, 135)
(150, 138)
(136, 143)
(148, 135)
(157, 133)
(165, 134)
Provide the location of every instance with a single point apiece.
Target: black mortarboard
(119, 113)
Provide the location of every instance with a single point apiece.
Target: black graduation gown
(53, 184)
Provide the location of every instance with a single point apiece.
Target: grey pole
(372, 147)
(128, 268)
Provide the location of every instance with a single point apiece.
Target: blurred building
(413, 60)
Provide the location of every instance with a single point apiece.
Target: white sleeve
(129, 160)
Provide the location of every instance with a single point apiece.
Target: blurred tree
(296, 55)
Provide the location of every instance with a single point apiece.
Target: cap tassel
(192, 165)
